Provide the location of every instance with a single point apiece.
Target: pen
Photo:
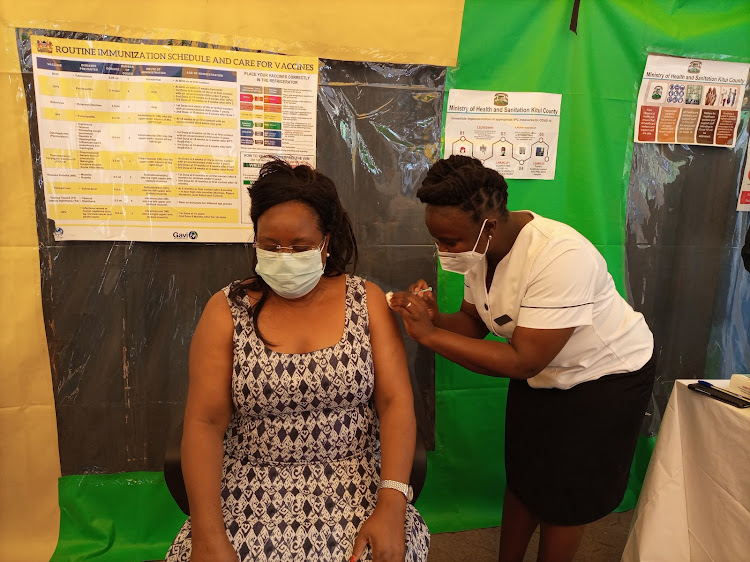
(724, 390)
(422, 291)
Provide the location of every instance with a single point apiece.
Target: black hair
(462, 181)
(279, 182)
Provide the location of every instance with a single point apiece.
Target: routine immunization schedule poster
(159, 142)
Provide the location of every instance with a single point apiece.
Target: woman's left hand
(415, 313)
(384, 532)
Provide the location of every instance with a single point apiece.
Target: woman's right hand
(213, 550)
(427, 296)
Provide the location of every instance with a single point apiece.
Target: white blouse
(553, 277)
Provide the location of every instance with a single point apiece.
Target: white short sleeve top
(553, 277)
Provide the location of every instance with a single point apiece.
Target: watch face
(410, 494)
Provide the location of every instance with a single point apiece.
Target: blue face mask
(290, 275)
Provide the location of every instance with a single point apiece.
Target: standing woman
(578, 357)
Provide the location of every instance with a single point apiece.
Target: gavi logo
(192, 235)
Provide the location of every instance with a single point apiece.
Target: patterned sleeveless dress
(302, 452)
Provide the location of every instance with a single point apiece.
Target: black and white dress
(302, 451)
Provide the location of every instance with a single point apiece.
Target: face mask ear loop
(474, 249)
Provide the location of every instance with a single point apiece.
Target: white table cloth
(695, 501)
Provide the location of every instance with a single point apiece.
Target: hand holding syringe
(417, 307)
(389, 294)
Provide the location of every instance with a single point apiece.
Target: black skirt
(568, 452)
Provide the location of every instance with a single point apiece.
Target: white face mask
(463, 262)
(290, 275)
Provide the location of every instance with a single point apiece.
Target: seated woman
(284, 455)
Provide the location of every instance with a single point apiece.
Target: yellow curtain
(388, 30)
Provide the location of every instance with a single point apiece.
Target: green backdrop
(526, 46)
(513, 45)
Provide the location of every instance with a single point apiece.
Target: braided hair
(278, 182)
(463, 182)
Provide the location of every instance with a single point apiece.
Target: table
(695, 501)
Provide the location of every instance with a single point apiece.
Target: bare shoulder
(375, 297)
(380, 313)
(216, 320)
(387, 346)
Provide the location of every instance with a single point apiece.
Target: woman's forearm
(398, 433)
(496, 359)
(202, 457)
(461, 323)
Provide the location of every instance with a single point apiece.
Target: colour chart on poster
(151, 142)
(689, 101)
(514, 133)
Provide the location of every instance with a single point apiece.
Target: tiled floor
(603, 541)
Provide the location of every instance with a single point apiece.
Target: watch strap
(396, 485)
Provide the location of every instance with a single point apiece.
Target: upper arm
(561, 293)
(559, 298)
(388, 354)
(211, 356)
(537, 348)
(477, 325)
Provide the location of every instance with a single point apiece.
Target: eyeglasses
(295, 249)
